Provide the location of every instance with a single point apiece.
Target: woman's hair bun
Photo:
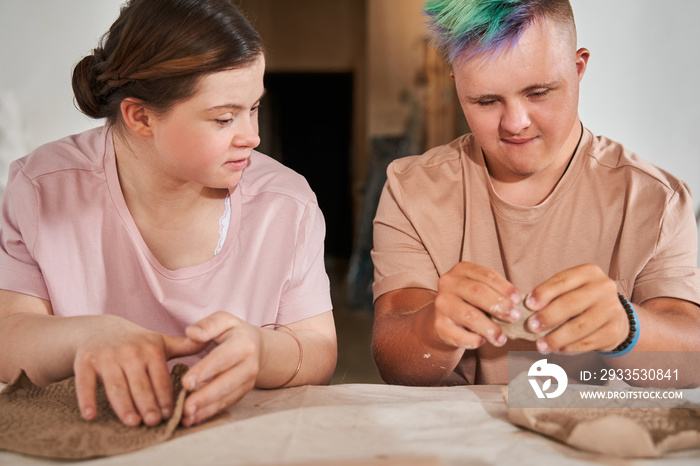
(156, 51)
(89, 92)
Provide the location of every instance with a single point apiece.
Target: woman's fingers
(133, 369)
(141, 390)
(212, 328)
(228, 372)
(85, 389)
(162, 388)
(119, 395)
(177, 347)
(218, 394)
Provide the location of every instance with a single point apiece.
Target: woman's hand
(131, 363)
(228, 372)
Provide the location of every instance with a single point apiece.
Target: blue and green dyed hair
(463, 29)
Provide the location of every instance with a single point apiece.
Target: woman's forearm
(43, 346)
(281, 355)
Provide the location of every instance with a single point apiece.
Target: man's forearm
(668, 324)
(405, 351)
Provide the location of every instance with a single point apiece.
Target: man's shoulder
(614, 156)
(443, 159)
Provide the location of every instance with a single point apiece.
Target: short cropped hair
(464, 29)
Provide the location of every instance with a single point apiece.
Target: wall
(641, 86)
(40, 42)
(395, 54)
(309, 35)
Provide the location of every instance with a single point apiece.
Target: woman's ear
(137, 117)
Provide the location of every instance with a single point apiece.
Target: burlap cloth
(46, 421)
(619, 432)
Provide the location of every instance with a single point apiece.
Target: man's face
(522, 104)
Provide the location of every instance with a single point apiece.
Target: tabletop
(363, 424)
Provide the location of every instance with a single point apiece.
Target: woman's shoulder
(82, 151)
(266, 175)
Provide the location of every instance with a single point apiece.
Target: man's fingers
(458, 336)
(463, 325)
(565, 282)
(599, 296)
(597, 328)
(489, 278)
(476, 294)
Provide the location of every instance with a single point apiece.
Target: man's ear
(137, 117)
(582, 56)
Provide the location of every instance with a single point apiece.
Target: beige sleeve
(672, 271)
(399, 255)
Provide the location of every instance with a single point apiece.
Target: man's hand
(131, 363)
(584, 300)
(465, 295)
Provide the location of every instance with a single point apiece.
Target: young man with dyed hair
(530, 212)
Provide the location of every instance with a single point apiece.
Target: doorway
(306, 124)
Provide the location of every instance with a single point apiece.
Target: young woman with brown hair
(163, 236)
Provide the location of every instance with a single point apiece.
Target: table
(363, 424)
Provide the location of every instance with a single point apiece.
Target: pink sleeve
(308, 292)
(18, 270)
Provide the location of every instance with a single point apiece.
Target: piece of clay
(518, 329)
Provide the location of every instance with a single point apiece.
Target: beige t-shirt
(610, 208)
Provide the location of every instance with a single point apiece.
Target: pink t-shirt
(68, 237)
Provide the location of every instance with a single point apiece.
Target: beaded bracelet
(301, 352)
(633, 337)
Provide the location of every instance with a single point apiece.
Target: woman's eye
(224, 122)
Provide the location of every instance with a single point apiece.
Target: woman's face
(208, 138)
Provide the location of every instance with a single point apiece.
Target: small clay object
(519, 329)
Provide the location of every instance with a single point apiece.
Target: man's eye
(224, 122)
(539, 94)
(485, 103)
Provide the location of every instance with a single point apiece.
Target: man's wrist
(632, 337)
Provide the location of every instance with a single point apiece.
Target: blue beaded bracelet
(633, 337)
